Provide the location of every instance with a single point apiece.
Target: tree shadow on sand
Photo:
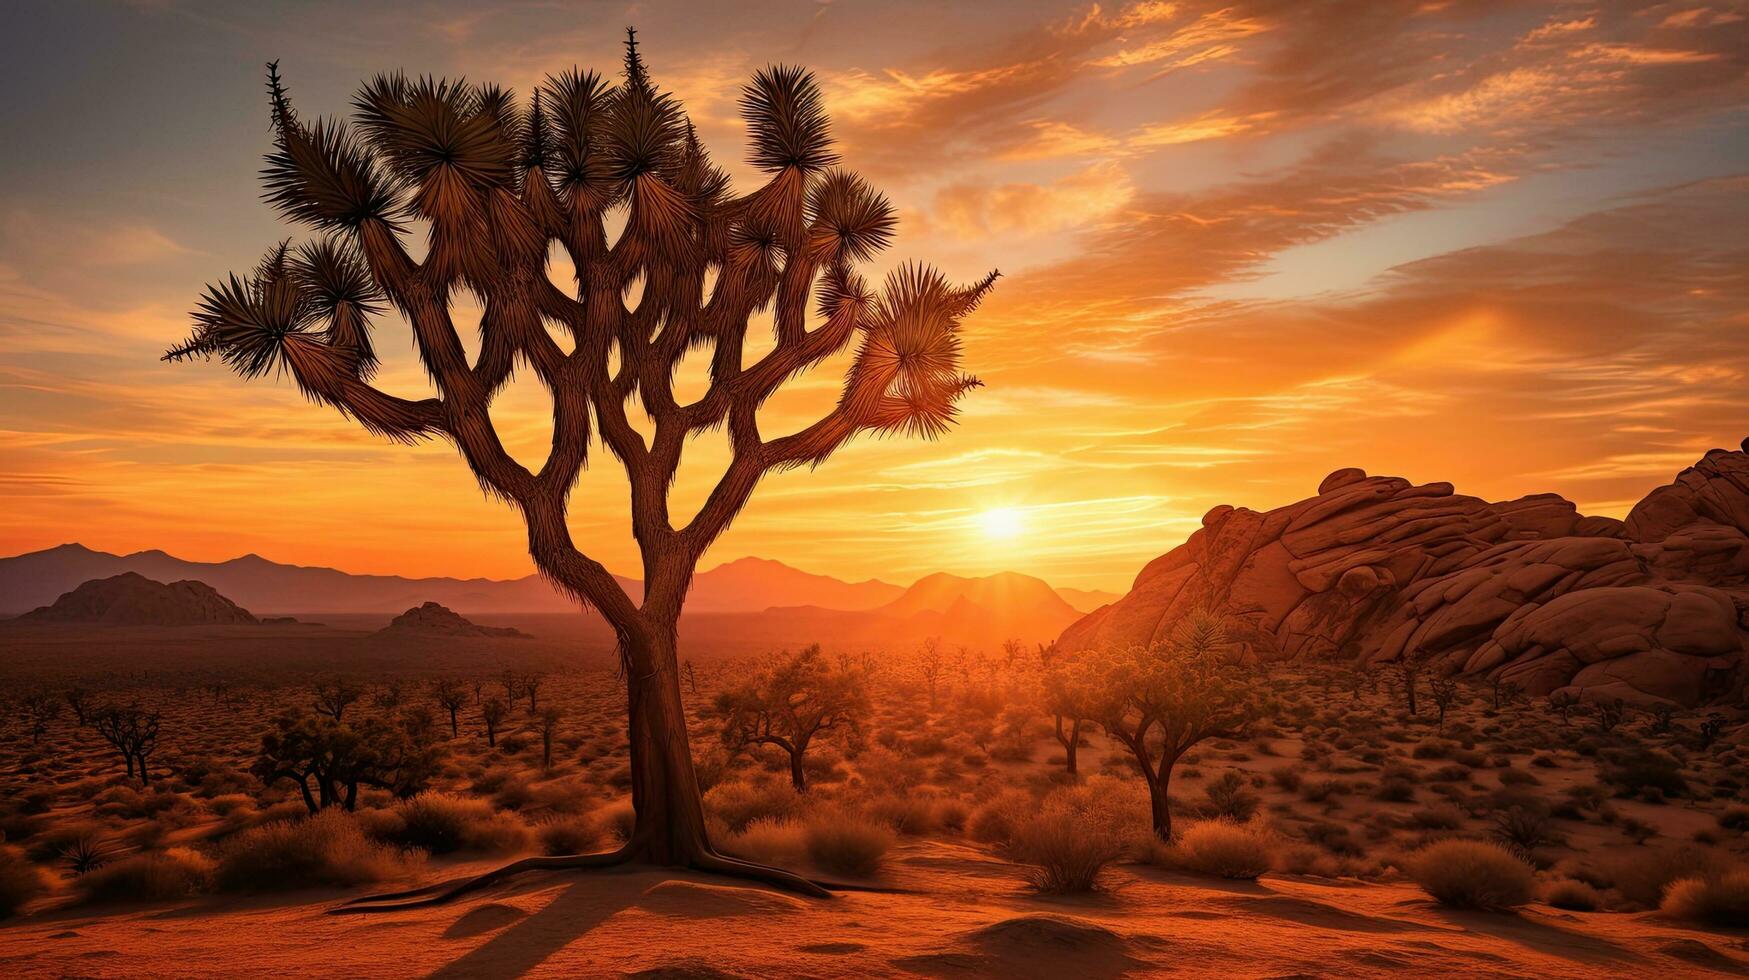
(579, 906)
(1536, 933)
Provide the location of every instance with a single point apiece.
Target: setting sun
(1003, 523)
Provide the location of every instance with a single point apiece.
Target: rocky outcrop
(130, 599)
(432, 619)
(1653, 608)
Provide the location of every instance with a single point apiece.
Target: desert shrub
(1734, 817)
(1715, 899)
(1646, 773)
(739, 803)
(157, 877)
(845, 844)
(1229, 797)
(576, 834)
(951, 814)
(1471, 875)
(1643, 874)
(1287, 778)
(769, 840)
(20, 881)
(1394, 789)
(1063, 853)
(441, 823)
(1440, 816)
(1227, 850)
(1518, 777)
(994, 821)
(909, 815)
(621, 818)
(1333, 837)
(328, 848)
(1524, 830)
(1574, 896)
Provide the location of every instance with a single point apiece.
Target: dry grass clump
(1717, 899)
(993, 822)
(1223, 849)
(1642, 875)
(769, 840)
(621, 818)
(1069, 837)
(1471, 874)
(739, 803)
(20, 881)
(1574, 896)
(441, 823)
(329, 848)
(847, 844)
(157, 877)
(576, 834)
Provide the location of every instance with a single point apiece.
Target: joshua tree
(497, 182)
(79, 700)
(493, 712)
(336, 694)
(1443, 690)
(1407, 671)
(450, 695)
(132, 731)
(549, 726)
(791, 701)
(930, 664)
(40, 708)
(1159, 701)
(1562, 703)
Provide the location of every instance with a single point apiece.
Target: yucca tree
(495, 183)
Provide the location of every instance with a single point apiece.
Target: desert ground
(958, 842)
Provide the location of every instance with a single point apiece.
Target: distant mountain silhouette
(432, 619)
(1087, 600)
(975, 611)
(131, 599)
(746, 585)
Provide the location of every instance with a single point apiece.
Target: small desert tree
(132, 731)
(1444, 691)
(1073, 694)
(792, 700)
(498, 183)
(40, 709)
(531, 683)
(930, 664)
(79, 700)
(1160, 700)
(1406, 671)
(549, 726)
(450, 695)
(493, 711)
(334, 695)
(329, 759)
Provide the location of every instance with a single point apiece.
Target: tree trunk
(1161, 803)
(1073, 744)
(797, 777)
(669, 827)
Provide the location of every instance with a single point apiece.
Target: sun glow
(1002, 522)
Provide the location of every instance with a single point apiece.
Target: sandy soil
(963, 912)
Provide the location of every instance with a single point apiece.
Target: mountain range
(1004, 604)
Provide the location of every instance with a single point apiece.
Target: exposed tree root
(709, 862)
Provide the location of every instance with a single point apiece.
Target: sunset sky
(1244, 244)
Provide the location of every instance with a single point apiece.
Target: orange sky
(1244, 244)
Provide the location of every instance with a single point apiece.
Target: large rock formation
(1654, 608)
(130, 599)
(433, 619)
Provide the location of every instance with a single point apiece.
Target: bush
(570, 835)
(1643, 875)
(20, 881)
(621, 818)
(329, 848)
(1065, 853)
(1574, 896)
(1230, 797)
(995, 820)
(739, 803)
(1227, 850)
(159, 877)
(769, 840)
(845, 844)
(909, 815)
(1471, 875)
(1718, 899)
(441, 823)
